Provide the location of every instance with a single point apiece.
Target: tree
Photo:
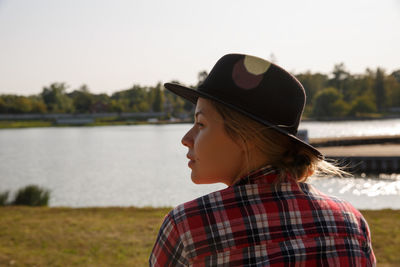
(379, 88)
(362, 105)
(340, 80)
(158, 100)
(136, 99)
(174, 105)
(312, 83)
(329, 103)
(187, 106)
(22, 104)
(82, 99)
(117, 106)
(396, 75)
(56, 99)
(15, 104)
(339, 74)
(101, 103)
(201, 76)
(37, 104)
(3, 107)
(392, 88)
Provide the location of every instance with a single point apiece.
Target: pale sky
(111, 45)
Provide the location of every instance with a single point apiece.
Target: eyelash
(199, 124)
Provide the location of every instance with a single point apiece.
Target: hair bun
(294, 158)
(301, 160)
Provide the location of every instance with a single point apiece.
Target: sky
(112, 45)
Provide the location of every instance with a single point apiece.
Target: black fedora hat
(256, 88)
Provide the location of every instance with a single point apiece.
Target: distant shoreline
(9, 124)
(43, 123)
(387, 117)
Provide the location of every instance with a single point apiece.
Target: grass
(43, 123)
(385, 233)
(43, 236)
(24, 124)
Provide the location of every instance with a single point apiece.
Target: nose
(187, 139)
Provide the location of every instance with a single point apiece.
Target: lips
(191, 162)
(190, 157)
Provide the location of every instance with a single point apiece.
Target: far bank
(138, 118)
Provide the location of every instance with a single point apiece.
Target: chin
(199, 180)
(195, 180)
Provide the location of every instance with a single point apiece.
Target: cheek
(217, 155)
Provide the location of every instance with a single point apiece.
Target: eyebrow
(197, 113)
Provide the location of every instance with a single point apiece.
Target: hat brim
(192, 96)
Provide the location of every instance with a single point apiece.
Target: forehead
(201, 104)
(204, 106)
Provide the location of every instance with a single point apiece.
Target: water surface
(145, 165)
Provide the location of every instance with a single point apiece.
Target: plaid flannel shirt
(257, 223)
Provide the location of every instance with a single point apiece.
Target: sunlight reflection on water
(317, 129)
(363, 192)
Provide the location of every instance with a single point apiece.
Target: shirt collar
(264, 174)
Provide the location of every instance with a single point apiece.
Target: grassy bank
(30, 124)
(4, 124)
(24, 124)
(122, 236)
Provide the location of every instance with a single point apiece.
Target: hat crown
(260, 89)
(257, 88)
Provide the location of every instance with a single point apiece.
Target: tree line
(56, 99)
(337, 94)
(343, 94)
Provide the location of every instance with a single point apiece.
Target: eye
(200, 124)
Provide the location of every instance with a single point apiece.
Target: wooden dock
(363, 154)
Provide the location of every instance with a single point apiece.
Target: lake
(145, 165)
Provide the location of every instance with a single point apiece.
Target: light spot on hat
(249, 71)
(256, 65)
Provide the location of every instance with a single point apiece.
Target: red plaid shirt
(257, 223)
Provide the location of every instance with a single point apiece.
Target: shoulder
(340, 209)
(348, 220)
(194, 209)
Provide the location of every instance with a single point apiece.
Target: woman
(246, 119)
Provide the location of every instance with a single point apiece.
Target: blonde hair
(282, 152)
